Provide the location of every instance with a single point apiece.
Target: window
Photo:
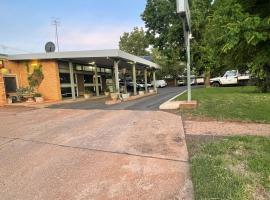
(89, 68)
(10, 84)
(79, 68)
(64, 78)
(66, 92)
(230, 73)
(108, 71)
(88, 78)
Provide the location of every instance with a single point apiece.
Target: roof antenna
(56, 23)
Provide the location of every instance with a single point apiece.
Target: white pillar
(154, 81)
(71, 73)
(116, 75)
(145, 80)
(134, 79)
(96, 81)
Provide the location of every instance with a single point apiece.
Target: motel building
(70, 74)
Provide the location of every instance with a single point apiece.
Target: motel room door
(80, 83)
(10, 84)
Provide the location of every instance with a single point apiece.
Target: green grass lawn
(231, 168)
(230, 103)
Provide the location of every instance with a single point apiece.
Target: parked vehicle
(160, 83)
(129, 85)
(193, 80)
(232, 77)
(142, 85)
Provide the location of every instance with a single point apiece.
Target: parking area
(146, 103)
(67, 153)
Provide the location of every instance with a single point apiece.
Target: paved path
(93, 154)
(220, 128)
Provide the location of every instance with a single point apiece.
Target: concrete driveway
(92, 154)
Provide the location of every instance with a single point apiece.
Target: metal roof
(100, 56)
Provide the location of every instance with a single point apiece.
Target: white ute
(232, 77)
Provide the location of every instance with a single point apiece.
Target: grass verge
(230, 103)
(230, 167)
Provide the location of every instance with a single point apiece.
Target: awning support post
(116, 75)
(154, 81)
(71, 73)
(96, 81)
(134, 79)
(145, 81)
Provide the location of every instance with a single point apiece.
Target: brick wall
(50, 86)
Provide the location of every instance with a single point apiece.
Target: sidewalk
(219, 128)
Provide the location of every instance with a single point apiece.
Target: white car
(232, 77)
(160, 83)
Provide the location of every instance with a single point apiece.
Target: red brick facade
(50, 86)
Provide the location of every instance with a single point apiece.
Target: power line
(5, 47)
(56, 23)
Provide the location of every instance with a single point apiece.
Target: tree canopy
(241, 33)
(228, 34)
(165, 33)
(134, 42)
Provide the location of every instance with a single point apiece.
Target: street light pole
(188, 67)
(183, 10)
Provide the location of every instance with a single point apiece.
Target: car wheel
(216, 84)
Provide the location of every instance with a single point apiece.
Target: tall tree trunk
(207, 76)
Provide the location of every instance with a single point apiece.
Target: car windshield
(230, 73)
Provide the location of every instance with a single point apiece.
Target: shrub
(25, 92)
(37, 94)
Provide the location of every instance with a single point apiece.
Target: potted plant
(26, 93)
(114, 95)
(87, 94)
(151, 90)
(125, 96)
(107, 92)
(141, 92)
(38, 97)
(9, 99)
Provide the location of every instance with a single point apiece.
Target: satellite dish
(49, 47)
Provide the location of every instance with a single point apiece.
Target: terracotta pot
(39, 99)
(9, 100)
(114, 96)
(125, 96)
(141, 92)
(30, 100)
(107, 94)
(87, 96)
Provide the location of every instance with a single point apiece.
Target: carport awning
(100, 57)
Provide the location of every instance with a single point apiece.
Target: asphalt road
(147, 103)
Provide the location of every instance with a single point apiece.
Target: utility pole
(56, 23)
(183, 10)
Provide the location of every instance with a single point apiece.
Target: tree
(164, 27)
(242, 36)
(202, 54)
(134, 42)
(170, 68)
(165, 33)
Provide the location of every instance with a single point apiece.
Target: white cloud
(101, 37)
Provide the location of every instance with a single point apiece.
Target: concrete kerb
(170, 104)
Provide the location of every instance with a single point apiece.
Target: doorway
(10, 84)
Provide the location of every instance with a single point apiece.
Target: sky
(84, 24)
